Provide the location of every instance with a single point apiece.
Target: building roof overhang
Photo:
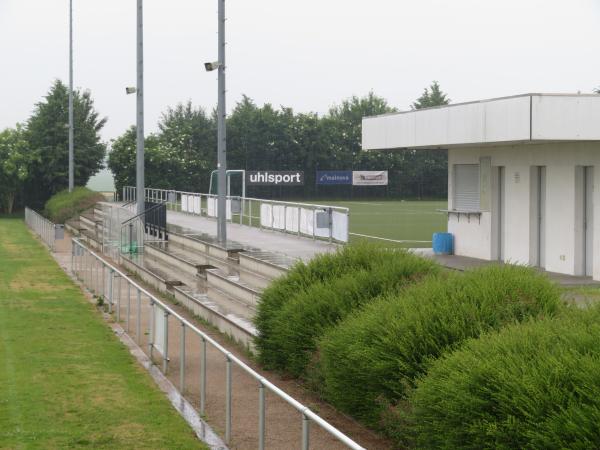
(518, 120)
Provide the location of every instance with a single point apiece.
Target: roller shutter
(466, 187)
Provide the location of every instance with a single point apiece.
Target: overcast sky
(305, 54)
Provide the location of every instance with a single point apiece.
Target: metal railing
(45, 229)
(149, 225)
(282, 216)
(101, 277)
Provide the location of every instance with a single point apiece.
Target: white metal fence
(302, 219)
(45, 229)
(154, 326)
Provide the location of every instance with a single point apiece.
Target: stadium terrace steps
(220, 284)
(228, 314)
(74, 227)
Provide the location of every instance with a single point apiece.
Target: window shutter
(466, 187)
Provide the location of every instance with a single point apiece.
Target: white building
(521, 175)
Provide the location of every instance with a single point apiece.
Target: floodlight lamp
(210, 66)
(130, 90)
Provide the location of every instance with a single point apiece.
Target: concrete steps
(233, 286)
(266, 264)
(228, 314)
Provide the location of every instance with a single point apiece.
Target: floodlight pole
(71, 157)
(221, 134)
(139, 158)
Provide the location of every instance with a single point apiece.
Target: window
(466, 187)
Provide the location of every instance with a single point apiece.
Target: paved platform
(465, 263)
(250, 238)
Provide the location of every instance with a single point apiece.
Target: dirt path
(283, 423)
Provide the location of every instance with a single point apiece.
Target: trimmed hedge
(320, 269)
(371, 360)
(308, 314)
(66, 205)
(535, 385)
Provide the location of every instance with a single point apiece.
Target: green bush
(320, 269)
(66, 205)
(534, 385)
(309, 313)
(371, 360)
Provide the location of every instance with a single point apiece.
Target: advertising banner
(370, 178)
(334, 177)
(274, 178)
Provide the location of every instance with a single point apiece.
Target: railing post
(128, 304)
(138, 325)
(228, 399)
(118, 298)
(151, 331)
(110, 290)
(203, 377)
(261, 416)
(305, 432)
(182, 361)
(166, 343)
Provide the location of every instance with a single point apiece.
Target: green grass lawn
(65, 379)
(397, 220)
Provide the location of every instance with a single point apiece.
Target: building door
(501, 214)
(541, 216)
(588, 219)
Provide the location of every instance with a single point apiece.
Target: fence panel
(45, 229)
(286, 217)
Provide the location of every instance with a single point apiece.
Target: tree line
(34, 161)
(182, 153)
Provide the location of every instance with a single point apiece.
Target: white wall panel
(559, 117)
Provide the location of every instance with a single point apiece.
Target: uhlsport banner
(275, 178)
(370, 178)
(334, 177)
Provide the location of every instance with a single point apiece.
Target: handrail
(307, 413)
(304, 223)
(146, 211)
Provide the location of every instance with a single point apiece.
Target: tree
(189, 135)
(431, 96)
(122, 161)
(47, 138)
(14, 161)
(430, 165)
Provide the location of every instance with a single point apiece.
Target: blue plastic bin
(443, 243)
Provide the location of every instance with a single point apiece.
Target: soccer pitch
(396, 220)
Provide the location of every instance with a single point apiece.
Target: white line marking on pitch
(389, 240)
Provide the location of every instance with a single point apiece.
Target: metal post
(261, 417)
(118, 298)
(305, 432)
(71, 122)
(151, 331)
(140, 108)
(166, 344)
(128, 304)
(228, 400)
(182, 361)
(203, 377)
(110, 291)
(221, 131)
(138, 325)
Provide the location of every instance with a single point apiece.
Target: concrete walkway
(465, 263)
(250, 238)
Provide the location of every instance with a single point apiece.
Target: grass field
(395, 220)
(65, 380)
